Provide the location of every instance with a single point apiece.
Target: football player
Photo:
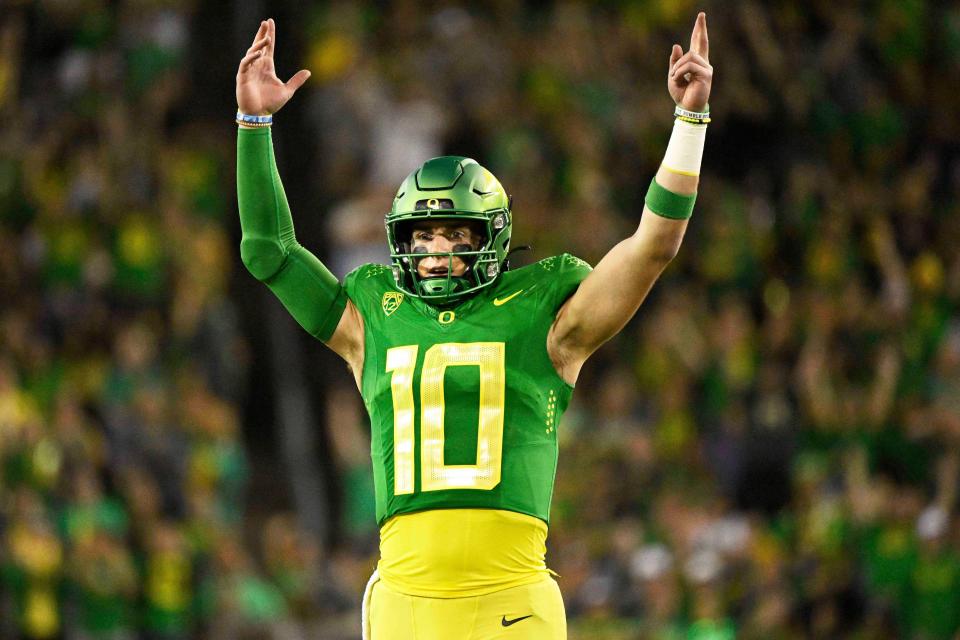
(465, 366)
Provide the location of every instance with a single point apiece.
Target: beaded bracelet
(694, 120)
(254, 121)
(693, 117)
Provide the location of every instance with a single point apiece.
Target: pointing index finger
(698, 40)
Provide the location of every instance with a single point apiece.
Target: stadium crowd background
(769, 450)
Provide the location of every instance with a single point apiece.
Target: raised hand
(259, 90)
(690, 74)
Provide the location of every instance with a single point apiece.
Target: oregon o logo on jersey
(391, 301)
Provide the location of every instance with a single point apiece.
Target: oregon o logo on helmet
(433, 203)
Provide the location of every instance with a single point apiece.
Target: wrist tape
(685, 150)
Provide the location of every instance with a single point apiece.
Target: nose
(436, 264)
(438, 244)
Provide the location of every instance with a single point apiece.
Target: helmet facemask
(483, 264)
(455, 190)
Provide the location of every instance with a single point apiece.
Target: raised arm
(614, 290)
(269, 247)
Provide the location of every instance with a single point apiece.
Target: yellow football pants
(528, 612)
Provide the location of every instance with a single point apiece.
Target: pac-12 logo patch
(391, 301)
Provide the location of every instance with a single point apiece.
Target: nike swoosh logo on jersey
(499, 301)
(507, 623)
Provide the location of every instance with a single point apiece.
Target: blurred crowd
(769, 450)
(123, 365)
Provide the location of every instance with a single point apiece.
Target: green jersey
(464, 401)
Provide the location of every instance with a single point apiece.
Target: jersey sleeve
(562, 275)
(269, 247)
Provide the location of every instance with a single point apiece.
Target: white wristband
(685, 150)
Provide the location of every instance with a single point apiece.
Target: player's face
(440, 236)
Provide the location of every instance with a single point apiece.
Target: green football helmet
(450, 188)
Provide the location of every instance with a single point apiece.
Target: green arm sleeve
(269, 248)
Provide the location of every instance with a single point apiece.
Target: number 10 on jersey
(434, 474)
